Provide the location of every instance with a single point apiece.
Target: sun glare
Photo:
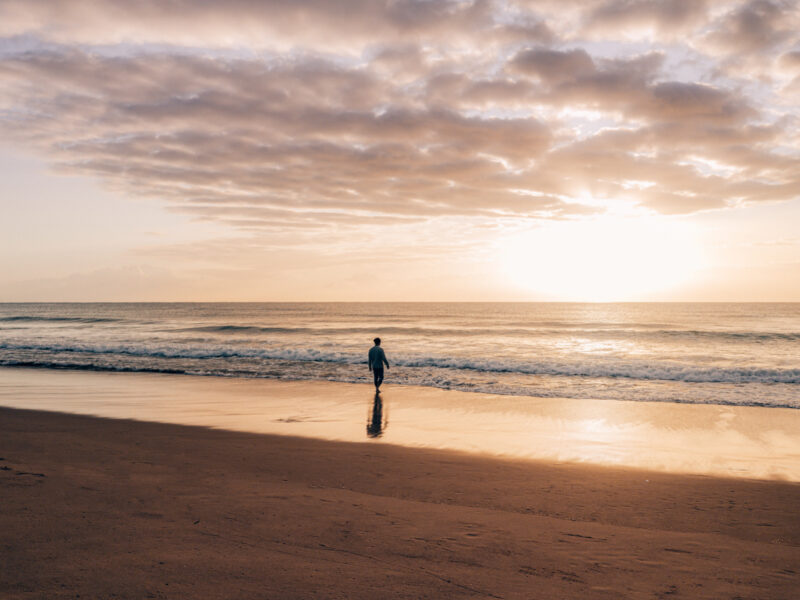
(611, 259)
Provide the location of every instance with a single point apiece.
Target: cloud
(277, 143)
(525, 30)
(754, 26)
(630, 87)
(791, 61)
(692, 101)
(553, 66)
(310, 116)
(644, 16)
(251, 23)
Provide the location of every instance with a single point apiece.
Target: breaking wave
(595, 368)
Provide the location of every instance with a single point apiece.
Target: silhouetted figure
(376, 361)
(375, 422)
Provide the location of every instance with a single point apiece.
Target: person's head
(377, 341)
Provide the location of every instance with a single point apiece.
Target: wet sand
(112, 508)
(740, 441)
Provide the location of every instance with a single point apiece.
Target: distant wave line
(36, 318)
(488, 331)
(536, 329)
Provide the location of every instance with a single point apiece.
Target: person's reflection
(376, 423)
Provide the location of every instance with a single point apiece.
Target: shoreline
(745, 441)
(102, 507)
(367, 380)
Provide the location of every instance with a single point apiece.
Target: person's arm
(383, 356)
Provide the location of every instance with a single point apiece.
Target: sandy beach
(115, 508)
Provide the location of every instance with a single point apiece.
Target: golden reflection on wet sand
(737, 441)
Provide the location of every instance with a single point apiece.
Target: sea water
(702, 353)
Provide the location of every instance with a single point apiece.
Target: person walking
(377, 359)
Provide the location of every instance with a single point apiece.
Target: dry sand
(103, 508)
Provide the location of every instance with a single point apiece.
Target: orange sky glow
(599, 150)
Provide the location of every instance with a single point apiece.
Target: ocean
(700, 353)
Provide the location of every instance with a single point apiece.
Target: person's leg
(378, 374)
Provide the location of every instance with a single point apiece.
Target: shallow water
(735, 354)
(733, 441)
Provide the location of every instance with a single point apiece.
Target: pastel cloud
(755, 26)
(307, 114)
(553, 66)
(342, 24)
(663, 16)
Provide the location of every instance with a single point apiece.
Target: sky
(408, 150)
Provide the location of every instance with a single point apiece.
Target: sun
(602, 260)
